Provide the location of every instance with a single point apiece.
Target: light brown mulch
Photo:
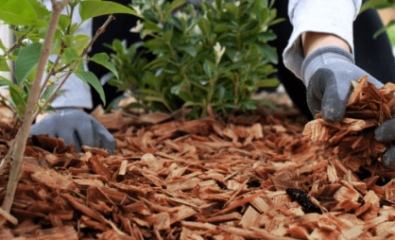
(209, 178)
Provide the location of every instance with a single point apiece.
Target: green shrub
(216, 54)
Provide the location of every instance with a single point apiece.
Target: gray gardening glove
(73, 125)
(386, 133)
(327, 72)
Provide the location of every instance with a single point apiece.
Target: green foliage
(29, 20)
(377, 4)
(216, 54)
(90, 9)
(380, 4)
(391, 35)
(27, 60)
(18, 12)
(391, 24)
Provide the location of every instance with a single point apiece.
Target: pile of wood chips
(353, 138)
(208, 178)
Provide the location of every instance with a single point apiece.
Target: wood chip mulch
(253, 176)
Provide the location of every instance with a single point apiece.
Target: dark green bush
(215, 54)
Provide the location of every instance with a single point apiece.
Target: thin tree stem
(34, 95)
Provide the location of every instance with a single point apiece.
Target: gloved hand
(386, 133)
(327, 72)
(73, 125)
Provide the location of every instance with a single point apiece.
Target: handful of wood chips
(352, 139)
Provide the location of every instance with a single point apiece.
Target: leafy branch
(31, 103)
(53, 94)
(33, 24)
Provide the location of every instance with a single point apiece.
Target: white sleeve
(74, 92)
(333, 16)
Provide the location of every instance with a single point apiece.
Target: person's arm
(321, 53)
(313, 40)
(333, 17)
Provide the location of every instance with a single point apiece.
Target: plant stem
(10, 152)
(16, 122)
(71, 19)
(34, 95)
(53, 94)
(51, 72)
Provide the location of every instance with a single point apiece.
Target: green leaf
(149, 91)
(381, 30)
(235, 66)
(391, 35)
(49, 90)
(189, 49)
(41, 11)
(190, 104)
(2, 46)
(5, 82)
(68, 40)
(18, 101)
(3, 64)
(271, 82)
(102, 59)
(71, 55)
(90, 77)
(275, 21)
(207, 69)
(231, 7)
(269, 52)
(176, 89)
(158, 99)
(41, 24)
(248, 104)
(175, 4)
(81, 42)
(64, 22)
(17, 12)
(221, 28)
(154, 44)
(267, 36)
(73, 28)
(151, 26)
(28, 58)
(205, 26)
(266, 102)
(167, 36)
(90, 9)
(377, 4)
(218, 4)
(135, 105)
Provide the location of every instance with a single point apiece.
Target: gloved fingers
(389, 157)
(77, 141)
(107, 141)
(313, 102)
(386, 132)
(69, 136)
(43, 127)
(86, 132)
(336, 94)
